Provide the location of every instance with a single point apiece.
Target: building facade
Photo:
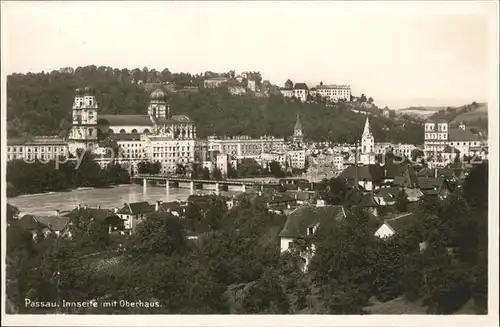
(334, 93)
(84, 130)
(367, 155)
(41, 148)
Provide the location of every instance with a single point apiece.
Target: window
(134, 131)
(310, 230)
(122, 131)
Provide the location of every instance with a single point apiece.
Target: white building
(252, 85)
(243, 146)
(334, 93)
(305, 221)
(299, 91)
(84, 131)
(367, 155)
(214, 82)
(237, 90)
(297, 158)
(442, 144)
(41, 148)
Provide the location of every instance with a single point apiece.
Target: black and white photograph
(227, 163)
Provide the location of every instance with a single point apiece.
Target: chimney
(57, 213)
(98, 207)
(85, 207)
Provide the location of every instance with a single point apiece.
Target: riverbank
(65, 191)
(116, 196)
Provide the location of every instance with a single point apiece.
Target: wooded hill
(40, 104)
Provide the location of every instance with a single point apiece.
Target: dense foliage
(235, 265)
(37, 177)
(40, 104)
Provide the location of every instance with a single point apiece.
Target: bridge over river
(172, 181)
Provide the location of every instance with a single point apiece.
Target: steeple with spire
(298, 137)
(367, 156)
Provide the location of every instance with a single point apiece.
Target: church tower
(158, 107)
(298, 137)
(367, 156)
(83, 133)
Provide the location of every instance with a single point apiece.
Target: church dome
(88, 91)
(158, 94)
(78, 91)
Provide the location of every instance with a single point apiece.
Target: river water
(48, 203)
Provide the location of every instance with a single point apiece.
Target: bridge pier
(144, 184)
(217, 189)
(243, 188)
(167, 187)
(191, 187)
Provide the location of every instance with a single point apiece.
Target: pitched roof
(408, 179)
(458, 134)
(368, 200)
(368, 172)
(297, 126)
(400, 222)
(28, 222)
(301, 86)
(307, 215)
(125, 120)
(136, 208)
(389, 193)
(392, 170)
(54, 223)
(166, 206)
(430, 182)
(100, 214)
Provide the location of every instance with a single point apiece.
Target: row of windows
(175, 154)
(122, 131)
(35, 149)
(32, 157)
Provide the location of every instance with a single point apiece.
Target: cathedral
(88, 126)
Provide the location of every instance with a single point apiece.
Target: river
(48, 203)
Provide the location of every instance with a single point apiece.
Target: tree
(180, 169)
(266, 296)
(346, 286)
(216, 174)
(205, 173)
(161, 233)
(289, 84)
(334, 191)
(401, 201)
(275, 169)
(362, 99)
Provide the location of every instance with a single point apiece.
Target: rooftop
(458, 134)
(400, 222)
(136, 208)
(307, 215)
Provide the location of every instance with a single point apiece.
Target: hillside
(474, 115)
(40, 104)
(481, 111)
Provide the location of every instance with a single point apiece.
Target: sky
(400, 53)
